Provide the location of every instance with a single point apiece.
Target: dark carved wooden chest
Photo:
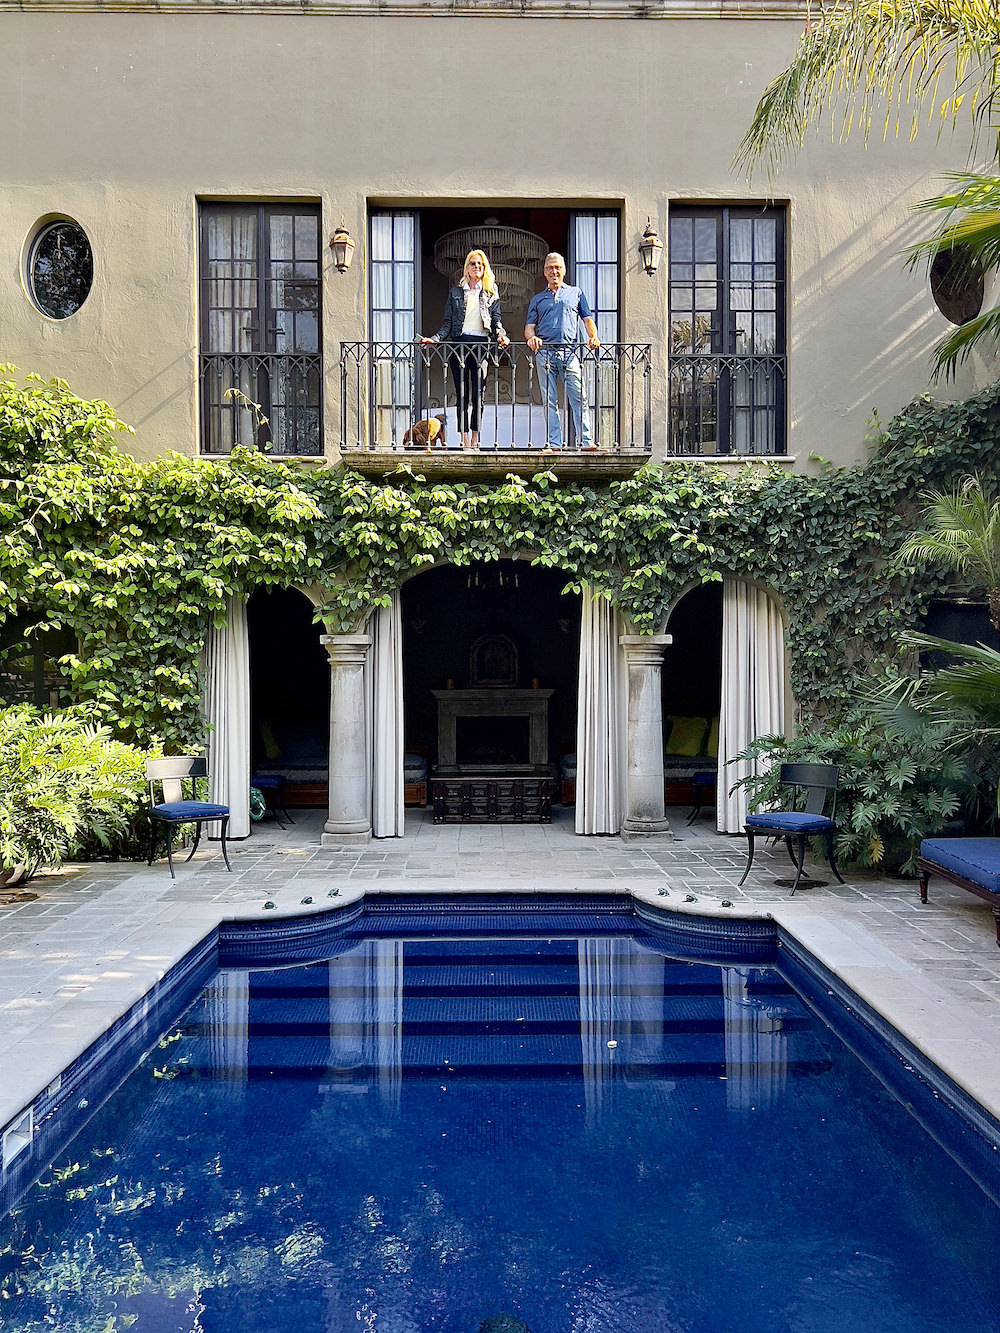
(492, 800)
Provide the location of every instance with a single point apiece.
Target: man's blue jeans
(553, 364)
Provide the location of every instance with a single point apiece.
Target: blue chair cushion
(704, 779)
(790, 821)
(183, 810)
(977, 859)
(267, 780)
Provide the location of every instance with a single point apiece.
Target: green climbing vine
(138, 559)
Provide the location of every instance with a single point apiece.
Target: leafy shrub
(66, 787)
(898, 783)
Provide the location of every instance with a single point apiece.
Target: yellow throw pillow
(686, 735)
(712, 739)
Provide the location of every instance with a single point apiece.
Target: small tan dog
(430, 433)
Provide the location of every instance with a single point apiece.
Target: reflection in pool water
(578, 1134)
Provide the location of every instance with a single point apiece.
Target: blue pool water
(576, 1131)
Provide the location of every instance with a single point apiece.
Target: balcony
(387, 387)
(726, 405)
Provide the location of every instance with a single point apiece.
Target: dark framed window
(727, 330)
(260, 300)
(60, 268)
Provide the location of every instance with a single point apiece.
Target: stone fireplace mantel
(493, 703)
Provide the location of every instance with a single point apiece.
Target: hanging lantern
(650, 249)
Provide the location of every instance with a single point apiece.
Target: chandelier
(515, 256)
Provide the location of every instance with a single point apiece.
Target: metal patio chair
(817, 781)
(175, 808)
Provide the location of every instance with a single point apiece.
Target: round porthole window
(60, 268)
(958, 284)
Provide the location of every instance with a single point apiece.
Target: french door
(260, 361)
(394, 301)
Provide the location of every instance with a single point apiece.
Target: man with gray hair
(550, 330)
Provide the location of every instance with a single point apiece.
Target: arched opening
(724, 685)
(692, 694)
(490, 662)
(289, 695)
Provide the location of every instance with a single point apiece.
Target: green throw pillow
(271, 747)
(686, 735)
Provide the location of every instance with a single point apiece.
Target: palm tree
(963, 533)
(883, 64)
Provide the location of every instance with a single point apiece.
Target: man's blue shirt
(554, 314)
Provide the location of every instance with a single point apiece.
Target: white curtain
(227, 710)
(385, 678)
(753, 689)
(756, 1045)
(602, 965)
(228, 1002)
(601, 718)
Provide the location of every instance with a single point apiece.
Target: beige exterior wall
(124, 120)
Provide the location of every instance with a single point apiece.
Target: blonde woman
(471, 319)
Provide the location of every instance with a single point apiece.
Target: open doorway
(692, 694)
(289, 695)
(418, 254)
(490, 659)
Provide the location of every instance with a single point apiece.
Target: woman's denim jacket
(454, 314)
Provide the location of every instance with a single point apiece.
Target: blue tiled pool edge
(957, 1122)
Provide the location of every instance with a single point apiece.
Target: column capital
(645, 649)
(346, 649)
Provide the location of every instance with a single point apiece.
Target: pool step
(454, 1007)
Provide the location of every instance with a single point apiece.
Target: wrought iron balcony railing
(388, 387)
(727, 404)
(265, 400)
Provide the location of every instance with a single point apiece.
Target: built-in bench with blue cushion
(971, 863)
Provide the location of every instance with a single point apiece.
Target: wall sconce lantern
(650, 249)
(342, 245)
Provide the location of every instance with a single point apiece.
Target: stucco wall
(123, 121)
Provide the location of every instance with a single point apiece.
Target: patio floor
(94, 938)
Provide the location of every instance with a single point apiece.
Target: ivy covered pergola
(138, 559)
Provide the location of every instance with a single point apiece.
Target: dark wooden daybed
(971, 863)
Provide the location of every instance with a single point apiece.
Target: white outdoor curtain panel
(227, 710)
(753, 689)
(385, 680)
(601, 718)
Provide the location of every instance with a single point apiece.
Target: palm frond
(958, 345)
(887, 63)
(968, 690)
(971, 224)
(962, 532)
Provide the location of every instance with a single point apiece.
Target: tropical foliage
(899, 782)
(885, 66)
(64, 782)
(962, 532)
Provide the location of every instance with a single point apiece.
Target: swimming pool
(558, 1113)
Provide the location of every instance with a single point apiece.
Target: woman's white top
(473, 312)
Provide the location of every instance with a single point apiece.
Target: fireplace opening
(492, 740)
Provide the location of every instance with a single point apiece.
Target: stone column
(350, 814)
(645, 816)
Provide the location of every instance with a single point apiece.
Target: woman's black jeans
(468, 368)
